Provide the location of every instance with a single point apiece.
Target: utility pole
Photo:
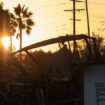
(74, 19)
(74, 24)
(88, 25)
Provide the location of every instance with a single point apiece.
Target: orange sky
(52, 21)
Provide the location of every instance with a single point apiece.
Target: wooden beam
(53, 41)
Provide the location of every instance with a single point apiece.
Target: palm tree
(4, 28)
(24, 21)
(1, 44)
(1, 10)
(3, 21)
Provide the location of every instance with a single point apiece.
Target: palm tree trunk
(20, 27)
(11, 48)
(20, 45)
(10, 44)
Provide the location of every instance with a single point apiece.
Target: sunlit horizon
(16, 45)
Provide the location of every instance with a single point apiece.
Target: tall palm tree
(9, 28)
(1, 44)
(3, 20)
(24, 21)
(1, 10)
(4, 27)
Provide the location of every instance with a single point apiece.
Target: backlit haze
(51, 20)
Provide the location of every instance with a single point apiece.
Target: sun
(6, 43)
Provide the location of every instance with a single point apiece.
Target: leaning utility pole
(88, 25)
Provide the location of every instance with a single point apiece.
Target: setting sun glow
(51, 24)
(6, 42)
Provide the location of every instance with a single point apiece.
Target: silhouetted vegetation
(44, 78)
(53, 77)
(56, 84)
(23, 19)
(4, 16)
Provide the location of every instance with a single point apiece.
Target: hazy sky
(51, 20)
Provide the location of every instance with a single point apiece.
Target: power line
(65, 3)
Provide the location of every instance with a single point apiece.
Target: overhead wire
(65, 3)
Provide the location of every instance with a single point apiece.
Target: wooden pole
(88, 25)
(74, 23)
